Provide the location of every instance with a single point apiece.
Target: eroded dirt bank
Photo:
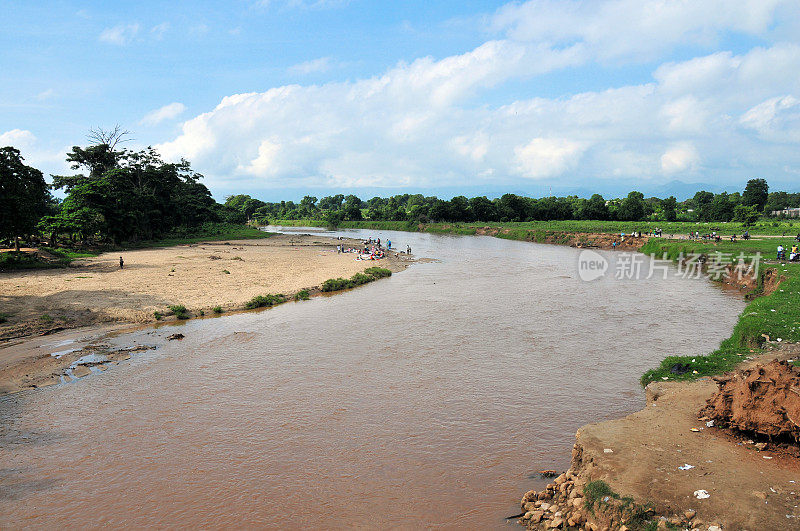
(673, 466)
(96, 293)
(594, 240)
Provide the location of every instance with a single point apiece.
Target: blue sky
(282, 97)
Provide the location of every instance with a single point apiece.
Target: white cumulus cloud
(547, 157)
(679, 158)
(418, 125)
(18, 138)
(167, 112)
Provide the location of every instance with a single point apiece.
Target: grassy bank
(773, 228)
(775, 315)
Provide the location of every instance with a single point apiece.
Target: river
(428, 399)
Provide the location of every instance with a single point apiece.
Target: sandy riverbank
(199, 276)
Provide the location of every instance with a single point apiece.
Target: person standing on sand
(121, 262)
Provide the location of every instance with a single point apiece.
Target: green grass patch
(4, 317)
(217, 309)
(599, 495)
(179, 310)
(46, 318)
(265, 301)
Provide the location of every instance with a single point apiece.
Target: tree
(483, 209)
(756, 194)
(669, 207)
(720, 209)
(746, 215)
(134, 195)
(25, 195)
(593, 208)
(632, 207)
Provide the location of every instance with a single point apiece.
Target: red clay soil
(764, 400)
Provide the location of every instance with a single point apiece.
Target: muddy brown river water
(428, 399)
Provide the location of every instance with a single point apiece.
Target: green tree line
(745, 207)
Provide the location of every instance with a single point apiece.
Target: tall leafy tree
(756, 194)
(24, 195)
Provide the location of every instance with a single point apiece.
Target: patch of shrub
(46, 318)
(226, 271)
(335, 284)
(301, 295)
(378, 272)
(261, 301)
(369, 274)
(179, 310)
(157, 315)
(4, 317)
(217, 309)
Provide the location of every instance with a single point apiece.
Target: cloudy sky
(277, 98)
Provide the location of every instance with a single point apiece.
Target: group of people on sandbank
(371, 250)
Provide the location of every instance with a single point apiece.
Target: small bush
(46, 318)
(335, 284)
(217, 309)
(378, 272)
(261, 301)
(179, 310)
(226, 271)
(301, 295)
(360, 278)
(369, 274)
(4, 317)
(157, 315)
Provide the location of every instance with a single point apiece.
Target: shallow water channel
(424, 400)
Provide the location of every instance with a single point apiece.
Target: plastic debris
(696, 429)
(710, 423)
(767, 457)
(701, 494)
(686, 466)
(608, 451)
